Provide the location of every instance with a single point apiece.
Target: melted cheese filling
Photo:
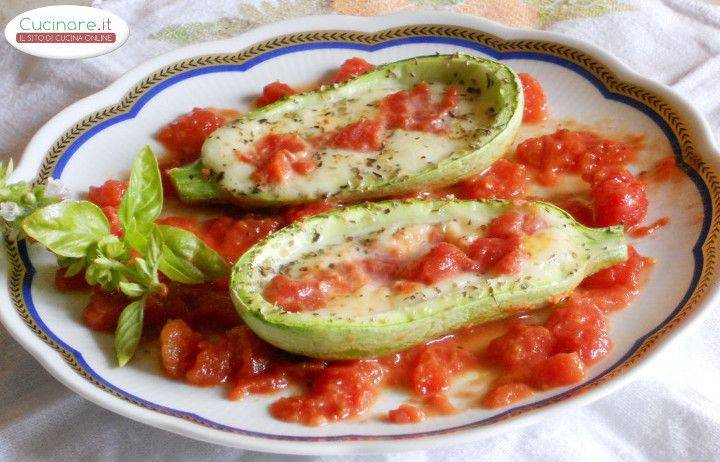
(404, 152)
(551, 251)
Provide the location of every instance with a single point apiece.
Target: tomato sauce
(503, 180)
(102, 313)
(406, 414)
(108, 197)
(272, 92)
(535, 109)
(618, 197)
(576, 152)
(204, 342)
(557, 353)
(365, 135)
(664, 170)
(66, 283)
(185, 136)
(644, 231)
(352, 68)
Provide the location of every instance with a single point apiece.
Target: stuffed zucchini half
(380, 277)
(423, 121)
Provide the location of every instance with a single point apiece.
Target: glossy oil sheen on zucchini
(368, 322)
(478, 131)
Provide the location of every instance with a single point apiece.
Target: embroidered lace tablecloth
(671, 412)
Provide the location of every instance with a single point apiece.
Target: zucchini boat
(378, 316)
(425, 121)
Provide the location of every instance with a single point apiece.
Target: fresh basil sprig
(143, 200)
(79, 234)
(68, 229)
(187, 259)
(129, 331)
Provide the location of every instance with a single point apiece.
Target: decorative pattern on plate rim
(705, 251)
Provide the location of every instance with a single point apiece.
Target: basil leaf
(143, 200)
(143, 273)
(131, 289)
(67, 228)
(187, 259)
(128, 331)
(154, 248)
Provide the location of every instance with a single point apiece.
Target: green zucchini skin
(194, 187)
(577, 251)
(502, 89)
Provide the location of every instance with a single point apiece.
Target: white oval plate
(98, 137)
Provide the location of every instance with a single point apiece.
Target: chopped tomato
(559, 370)
(272, 92)
(311, 291)
(342, 390)
(363, 135)
(264, 383)
(625, 274)
(178, 347)
(618, 197)
(343, 278)
(442, 261)
(503, 180)
(577, 152)
(439, 404)
(502, 255)
(514, 223)
(352, 67)
(615, 287)
(202, 306)
(522, 346)
(580, 209)
(435, 366)
(102, 313)
(276, 156)
(506, 394)
(213, 363)
(580, 327)
(258, 366)
(186, 134)
(414, 110)
(510, 262)
(231, 237)
(68, 284)
(295, 294)
(109, 194)
(111, 213)
(535, 100)
(406, 414)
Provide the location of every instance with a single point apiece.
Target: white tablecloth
(671, 412)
